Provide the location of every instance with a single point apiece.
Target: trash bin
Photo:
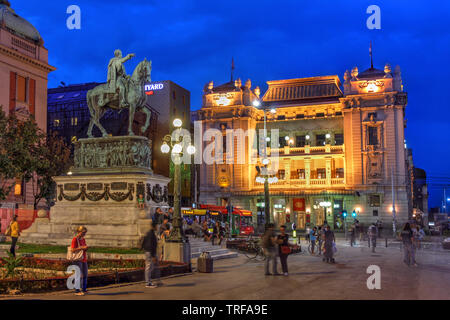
(205, 263)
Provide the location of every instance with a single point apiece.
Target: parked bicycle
(254, 251)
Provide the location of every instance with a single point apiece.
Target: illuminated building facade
(340, 148)
(24, 73)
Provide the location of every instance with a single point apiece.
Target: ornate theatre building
(340, 148)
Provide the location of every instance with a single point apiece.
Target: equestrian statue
(120, 92)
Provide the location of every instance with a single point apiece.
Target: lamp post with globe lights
(177, 240)
(264, 174)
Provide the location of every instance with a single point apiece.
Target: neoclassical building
(340, 147)
(24, 72)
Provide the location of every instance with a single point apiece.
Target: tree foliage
(27, 153)
(53, 160)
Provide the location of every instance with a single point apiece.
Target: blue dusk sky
(192, 42)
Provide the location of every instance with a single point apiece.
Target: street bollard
(386, 242)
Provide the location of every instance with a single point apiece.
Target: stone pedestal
(177, 252)
(103, 199)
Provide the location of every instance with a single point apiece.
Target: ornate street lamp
(265, 162)
(176, 145)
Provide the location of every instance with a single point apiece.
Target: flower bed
(40, 275)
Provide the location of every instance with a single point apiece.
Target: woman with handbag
(283, 249)
(78, 246)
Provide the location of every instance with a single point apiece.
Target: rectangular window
(373, 136)
(56, 123)
(339, 172)
(281, 118)
(282, 142)
(281, 174)
(300, 141)
(320, 140)
(301, 173)
(21, 89)
(374, 200)
(224, 141)
(300, 116)
(375, 213)
(74, 121)
(321, 173)
(320, 115)
(339, 113)
(338, 139)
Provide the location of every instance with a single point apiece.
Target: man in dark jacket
(149, 245)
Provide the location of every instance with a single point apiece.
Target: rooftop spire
(371, 56)
(232, 68)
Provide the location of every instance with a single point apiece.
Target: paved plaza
(309, 278)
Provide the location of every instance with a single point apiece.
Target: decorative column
(328, 171)
(308, 171)
(287, 170)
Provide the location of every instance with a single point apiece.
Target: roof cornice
(28, 60)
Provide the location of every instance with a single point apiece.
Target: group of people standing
(153, 245)
(411, 236)
(275, 246)
(325, 240)
(209, 229)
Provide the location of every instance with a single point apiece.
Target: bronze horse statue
(100, 98)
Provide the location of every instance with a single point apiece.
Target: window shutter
(12, 91)
(32, 97)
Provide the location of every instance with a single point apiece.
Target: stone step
(212, 253)
(227, 255)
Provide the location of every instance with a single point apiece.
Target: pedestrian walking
(270, 250)
(352, 235)
(320, 233)
(372, 232)
(283, 249)
(408, 249)
(78, 244)
(205, 230)
(14, 232)
(217, 233)
(313, 238)
(419, 238)
(150, 246)
(380, 228)
(196, 228)
(329, 245)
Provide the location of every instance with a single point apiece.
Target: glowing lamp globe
(177, 123)
(177, 148)
(191, 149)
(165, 148)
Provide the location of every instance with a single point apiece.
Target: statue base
(105, 203)
(177, 252)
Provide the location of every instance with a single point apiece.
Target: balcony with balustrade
(307, 150)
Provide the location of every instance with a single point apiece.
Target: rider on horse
(117, 76)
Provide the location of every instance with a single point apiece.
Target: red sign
(288, 218)
(299, 204)
(308, 218)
